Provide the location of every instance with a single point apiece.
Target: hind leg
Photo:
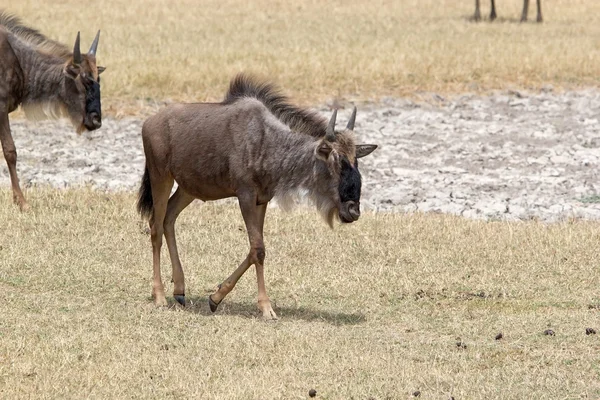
(493, 11)
(539, 11)
(177, 203)
(161, 189)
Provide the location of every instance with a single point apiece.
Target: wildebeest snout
(354, 210)
(350, 211)
(93, 121)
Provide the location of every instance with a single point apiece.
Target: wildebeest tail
(145, 205)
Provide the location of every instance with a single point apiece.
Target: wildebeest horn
(350, 125)
(330, 131)
(76, 51)
(94, 45)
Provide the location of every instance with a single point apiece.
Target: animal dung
(416, 393)
(461, 345)
(312, 393)
(590, 331)
(549, 332)
(499, 336)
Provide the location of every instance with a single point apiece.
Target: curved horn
(76, 51)
(330, 131)
(94, 45)
(350, 125)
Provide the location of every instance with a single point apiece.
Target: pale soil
(509, 155)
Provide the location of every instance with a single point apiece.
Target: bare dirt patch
(511, 155)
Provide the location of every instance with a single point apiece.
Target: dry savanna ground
(388, 306)
(157, 50)
(381, 309)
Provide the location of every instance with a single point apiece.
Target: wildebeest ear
(364, 149)
(101, 69)
(72, 71)
(324, 150)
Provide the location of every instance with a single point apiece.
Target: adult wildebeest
(477, 15)
(254, 146)
(47, 80)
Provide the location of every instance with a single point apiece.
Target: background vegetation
(157, 50)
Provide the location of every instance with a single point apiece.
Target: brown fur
(254, 146)
(40, 75)
(477, 15)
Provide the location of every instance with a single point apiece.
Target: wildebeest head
(338, 150)
(82, 87)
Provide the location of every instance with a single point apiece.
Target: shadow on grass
(485, 19)
(199, 305)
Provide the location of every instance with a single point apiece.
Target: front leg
(254, 218)
(525, 10)
(264, 303)
(477, 15)
(10, 155)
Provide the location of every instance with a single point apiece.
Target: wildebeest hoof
(212, 304)
(23, 205)
(160, 301)
(180, 298)
(269, 316)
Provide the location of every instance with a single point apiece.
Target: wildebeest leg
(539, 11)
(161, 189)
(253, 219)
(525, 10)
(477, 15)
(493, 12)
(10, 155)
(177, 203)
(264, 303)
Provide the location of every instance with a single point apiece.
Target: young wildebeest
(47, 80)
(254, 146)
(477, 15)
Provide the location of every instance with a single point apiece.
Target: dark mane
(32, 36)
(298, 119)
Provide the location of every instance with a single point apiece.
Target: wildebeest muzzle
(93, 111)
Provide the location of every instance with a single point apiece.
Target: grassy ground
(156, 50)
(371, 310)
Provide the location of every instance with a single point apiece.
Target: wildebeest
(47, 80)
(255, 146)
(477, 15)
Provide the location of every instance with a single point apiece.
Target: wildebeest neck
(43, 73)
(296, 170)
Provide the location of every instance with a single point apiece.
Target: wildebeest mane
(32, 36)
(298, 119)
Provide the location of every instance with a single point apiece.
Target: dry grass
(372, 310)
(157, 50)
